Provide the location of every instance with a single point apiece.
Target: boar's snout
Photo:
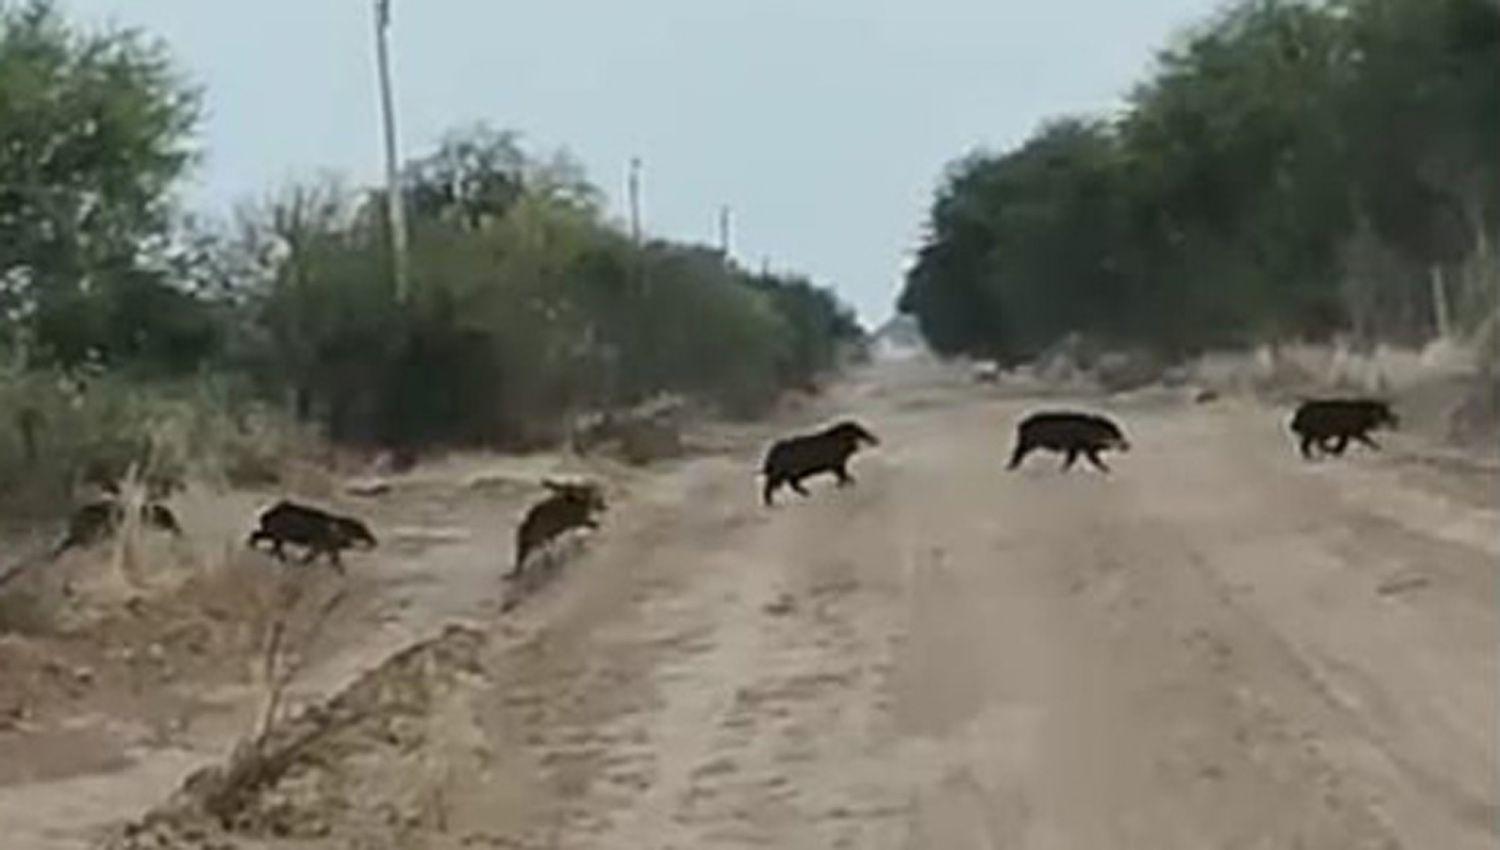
(356, 533)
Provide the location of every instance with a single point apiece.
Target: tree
(95, 128)
(477, 173)
(1290, 168)
(528, 305)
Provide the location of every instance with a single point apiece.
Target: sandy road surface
(1218, 646)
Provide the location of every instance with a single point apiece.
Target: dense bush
(133, 334)
(526, 305)
(1290, 169)
(64, 432)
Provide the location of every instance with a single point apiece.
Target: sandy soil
(1217, 646)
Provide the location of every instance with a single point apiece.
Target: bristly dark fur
(1330, 424)
(791, 460)
(569, 506)
(321, 532)
(1070, 433)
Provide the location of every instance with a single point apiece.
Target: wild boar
(1329, 424)
(791, 460)
(96, 520)
(1068, 432)
(570, 506)
(321, 532)
(106, 476)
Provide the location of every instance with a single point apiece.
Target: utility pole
(394, 197)
(634, 187)
(724, 231)
(638, 268)
(1440, 304)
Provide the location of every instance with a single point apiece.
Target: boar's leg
(1070, 459)
(277, 551)
(842, 471)
(1098, 462)
(796, 484)
(1335, 445)
(1021, 450)
(1364, 437)
(523, 548)
(335, 561)
(769, 491)
(1307, 445)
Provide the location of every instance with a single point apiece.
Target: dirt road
(1218, 646)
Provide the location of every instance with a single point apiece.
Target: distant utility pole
(724, 231)
(634, 186)
(1440, 304)
(394, 198)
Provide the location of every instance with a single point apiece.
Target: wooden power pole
(1440, 304)
(724, 231)
(634, 187)
(394, 197)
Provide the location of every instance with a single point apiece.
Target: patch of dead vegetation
(380, 765)
(142, 630)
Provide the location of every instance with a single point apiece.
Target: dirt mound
(1066, 359)
(1123, 371)
(378, 765)
(640, 435)
(1084, 364)
(1476, 417)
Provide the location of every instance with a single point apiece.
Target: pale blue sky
(824, 124)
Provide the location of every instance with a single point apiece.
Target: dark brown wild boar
(1329, 424)
(1070, 433)
(321, 532)
(570, 506)
(791, 460)
(96, 520)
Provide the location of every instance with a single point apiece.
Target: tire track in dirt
(741, 695)
(1192, 653)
